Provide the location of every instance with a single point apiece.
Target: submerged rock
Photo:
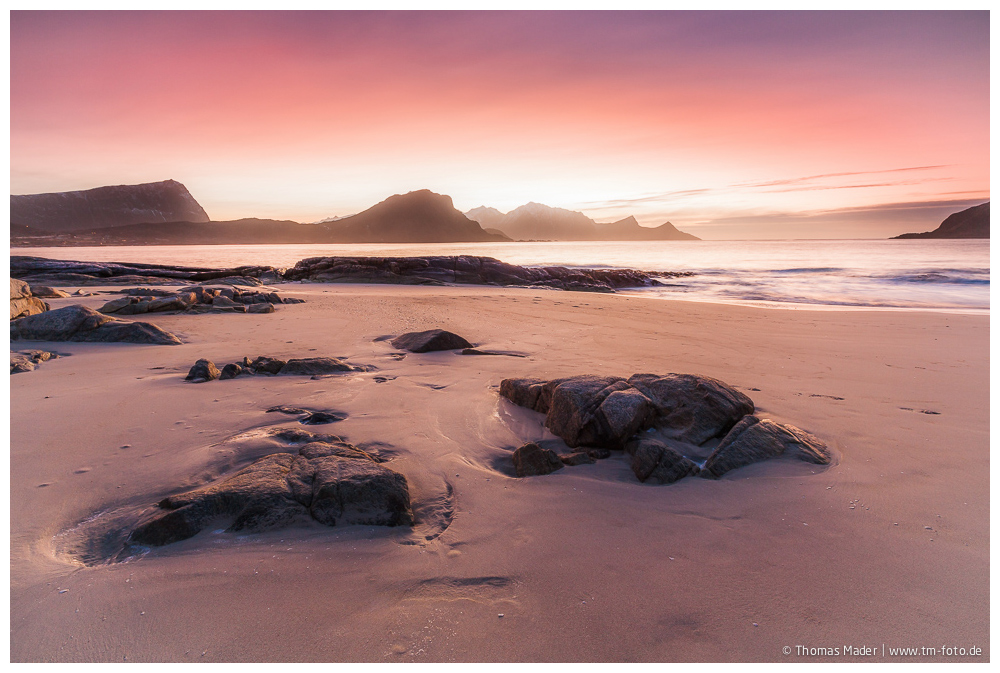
(752, 440)
(430, 340)
(79, 323)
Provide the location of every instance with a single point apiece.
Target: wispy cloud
(825, 176)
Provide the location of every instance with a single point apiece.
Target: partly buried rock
(338, 487)
(203, 370)
(317, 367)
(263, 307)
(753, 439)
(656, 461)
(266, 365)
(25, 361)
(532, 460)
(577, 458)
(231, 371)
(431, 340)
(22, 302)
(79, 323)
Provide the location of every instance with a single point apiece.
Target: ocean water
(949, 275)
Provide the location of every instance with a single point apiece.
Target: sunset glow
(730, 125)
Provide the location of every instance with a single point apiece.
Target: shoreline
(769, 555)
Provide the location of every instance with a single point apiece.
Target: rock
(266, 365)
(260, 308)
(316, 367)
(621, 415)
(654, 460)
(532, 460)
(22, 303)
(575, 402)
(116, 305)
(752, 440)
(283, 489)
(79, 323)
(692, 408)
(577, 458)
(523, 392)
(231, 371)
(225, 302)
(477, 351)
(430, 340)
(25, 361)
(202, 371)
(599, 454)
(48, 292)
(174, 303)
(321, 418)
(292, 300)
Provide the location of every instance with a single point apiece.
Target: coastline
(585, 564)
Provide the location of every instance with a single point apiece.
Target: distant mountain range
(538, 222)
(969, 223)
(416, 217)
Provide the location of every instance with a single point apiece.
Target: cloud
(823, 176)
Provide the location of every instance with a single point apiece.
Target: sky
(728, 124)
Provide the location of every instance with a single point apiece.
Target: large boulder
(79, 323)
(654, 460)
(283, 489)
(430, 340)
(692, 408)
(22, 302)
(753, 439)
(532, 460)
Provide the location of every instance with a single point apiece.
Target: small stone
(203, 370)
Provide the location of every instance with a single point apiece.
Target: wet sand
(888, 546)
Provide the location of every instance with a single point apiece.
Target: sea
(928, 275)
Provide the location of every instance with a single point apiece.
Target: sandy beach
(887, 547)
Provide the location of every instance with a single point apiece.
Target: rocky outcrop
(26, 361)
(465, 269)
(79, 323)
(39, 270)
(430, 340)
(205, 370)
(167, 201)
(666, 423)
(532, 460)
(196, 299)
(23, 302)
(330, 482)
(754, 439)
(969, 223)
(48, 292)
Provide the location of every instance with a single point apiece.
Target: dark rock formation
(656, 461)
(693, 408)
(332, 483)
(577, 458)
(430, 340)
(25, 361)
(477, 351)
(267, 365)
(22, 301)
(969, 223)
(79, 323)
(203, 370)
(317, 367)
(231, 371)
(39, 270)
(532, 460)
(196, 299)
(166, 201)
(465, 269)
(752, 440)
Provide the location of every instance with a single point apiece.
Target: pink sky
(730, 125)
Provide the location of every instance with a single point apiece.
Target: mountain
(969, 223)
(538, 222)
(416, 217)
(167, 201)
(630, 230)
